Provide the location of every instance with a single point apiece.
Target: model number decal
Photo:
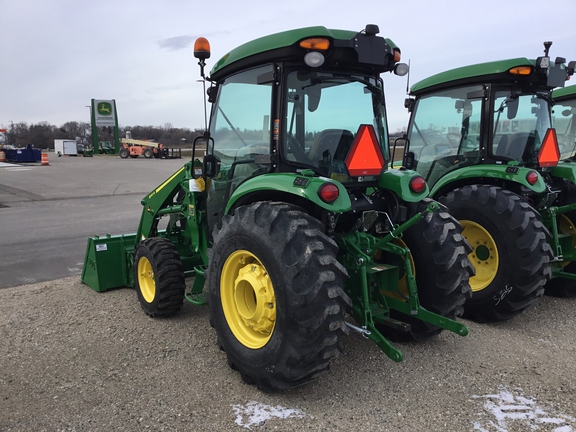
(503, 294)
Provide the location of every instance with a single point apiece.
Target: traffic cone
(44, 159)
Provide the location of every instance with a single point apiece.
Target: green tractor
(292, 226)
(482, 138)
(106, 147)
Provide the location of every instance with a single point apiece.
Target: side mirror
(313, 93)
(210, 166)
(512, 108)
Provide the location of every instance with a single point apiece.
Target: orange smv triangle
(365, 157)
(549, 153)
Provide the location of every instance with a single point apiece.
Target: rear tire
(275, 291)
(148, 153)
(511, 253)
(124, 153)
(158, 277)
(442, 270)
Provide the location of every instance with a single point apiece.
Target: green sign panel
(104, 110)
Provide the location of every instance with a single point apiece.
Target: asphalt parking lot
(48, 212)
(74, 359)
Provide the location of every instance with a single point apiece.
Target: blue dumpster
(27, 154)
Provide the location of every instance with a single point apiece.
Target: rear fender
(511, 173)
(398, 181)
(294, 184)
(565, 170)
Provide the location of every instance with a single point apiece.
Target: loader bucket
(108, 262)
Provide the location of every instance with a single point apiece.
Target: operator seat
(519, 147)
(502, 147)
(331, 144)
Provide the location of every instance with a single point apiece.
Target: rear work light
(417, 184)
(328, 192)
(314, 59)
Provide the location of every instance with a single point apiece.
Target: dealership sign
(104, 112)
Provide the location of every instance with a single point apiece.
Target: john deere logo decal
(104, 112)
(104, 108)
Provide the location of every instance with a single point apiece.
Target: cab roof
(564, 93)
(275, 46)
(473, 74)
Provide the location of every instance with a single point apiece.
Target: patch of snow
(505, 408)
(256, 414)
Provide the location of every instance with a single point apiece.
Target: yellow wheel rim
(484, 256)
(248, 299)
(146, 280)
(565, 226)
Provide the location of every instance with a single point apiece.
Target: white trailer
(65, 147)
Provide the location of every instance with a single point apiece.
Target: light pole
(12, 135)
(94, 143)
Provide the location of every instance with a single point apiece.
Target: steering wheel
(453, 139)
(294, 146)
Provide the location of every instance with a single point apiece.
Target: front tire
(158, 277)
(441, 268)
(275, 291)
(148, 153)
(124, 153)
(510, 250)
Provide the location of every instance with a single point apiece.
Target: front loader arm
(156, 202)
(181, 198)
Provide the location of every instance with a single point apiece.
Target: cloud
(176, 43)
(54, 61)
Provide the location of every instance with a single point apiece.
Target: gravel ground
(74, 359)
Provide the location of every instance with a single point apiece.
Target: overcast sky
(57, 55)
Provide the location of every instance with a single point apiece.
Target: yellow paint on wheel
(146, 280)
(565, 226)
(484, 256)
(248, 299)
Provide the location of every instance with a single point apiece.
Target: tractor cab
(491, 113)
(282, 112)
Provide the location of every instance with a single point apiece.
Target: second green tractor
(482, 137)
